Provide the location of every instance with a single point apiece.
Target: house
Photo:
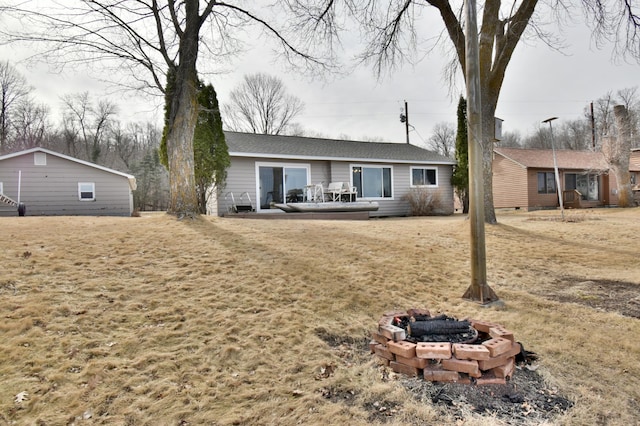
(49, 183)
(265, 168)
(525, 178)
(634, 170)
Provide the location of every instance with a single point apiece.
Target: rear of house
(266, 168)
(49, 183)
(525, 178)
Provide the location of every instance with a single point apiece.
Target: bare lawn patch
(151, 320)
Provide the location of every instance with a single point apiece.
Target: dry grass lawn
(154, 321)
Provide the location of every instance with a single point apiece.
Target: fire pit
(444, 349)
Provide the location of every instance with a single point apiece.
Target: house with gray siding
(265, 168)
(49, 183)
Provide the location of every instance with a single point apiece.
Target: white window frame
(283, 165)
(80, 191)
(373, 166)
(39, 158)
(413, 185)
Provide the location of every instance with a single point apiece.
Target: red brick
(416, 311)
(506, 370)
(483, 326)
(386, 320)
(404, 369)
(372, 345)
(465, 351)
(462, 366)
(392, 332)
(489, 378)
(500, 360)
(379, 338)
(433, 350)
(435, 373)
(501, 332)
(413, 362)
(498, 346)
(383, 352)
(403, 348)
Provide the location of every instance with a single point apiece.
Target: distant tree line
(587, 132)
(88, 129)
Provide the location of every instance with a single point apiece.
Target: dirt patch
(526, 398)
(606, 295)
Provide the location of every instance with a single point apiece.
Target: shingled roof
(296, 147)
(543, 158)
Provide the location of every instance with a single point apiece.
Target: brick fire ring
(491, 360)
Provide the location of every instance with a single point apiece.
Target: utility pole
(404, 118)
(479, 290)
(555, 166)
(593, 128)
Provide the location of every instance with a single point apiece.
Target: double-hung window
(424, 176)
(86, 191)
(546, 183)
(372, 181)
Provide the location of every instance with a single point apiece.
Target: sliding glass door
(278, 183)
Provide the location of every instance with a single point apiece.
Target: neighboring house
(634, 170)
(525, 178)
(49, 183)
(267, 167)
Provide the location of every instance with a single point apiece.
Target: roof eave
(346, 159)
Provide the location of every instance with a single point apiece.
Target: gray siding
(241, 177)
(52, 189)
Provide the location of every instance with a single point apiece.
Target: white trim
(259, 164)
(373, 166)
(80, 191)
(412, 185)
(347, 159)
(1, 188)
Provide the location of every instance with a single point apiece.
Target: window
(586, 184)
(372, 181)
(424, 176)
(87, 191)
(546, 183)
(39, 159)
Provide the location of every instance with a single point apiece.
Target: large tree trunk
(183, 200)
(617, 151)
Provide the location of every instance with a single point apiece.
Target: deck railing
(572, 199)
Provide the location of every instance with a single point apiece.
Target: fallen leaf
(21, 397)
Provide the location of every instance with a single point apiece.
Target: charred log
(421, 328)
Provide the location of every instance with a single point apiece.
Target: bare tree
(391, 33)
(443, 139)
(511, 139)
(92, 123)
(617, 150)
(13, 87)
(31, 124)
(149, 38)
(261, 104)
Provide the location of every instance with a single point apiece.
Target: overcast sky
(540, 83)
